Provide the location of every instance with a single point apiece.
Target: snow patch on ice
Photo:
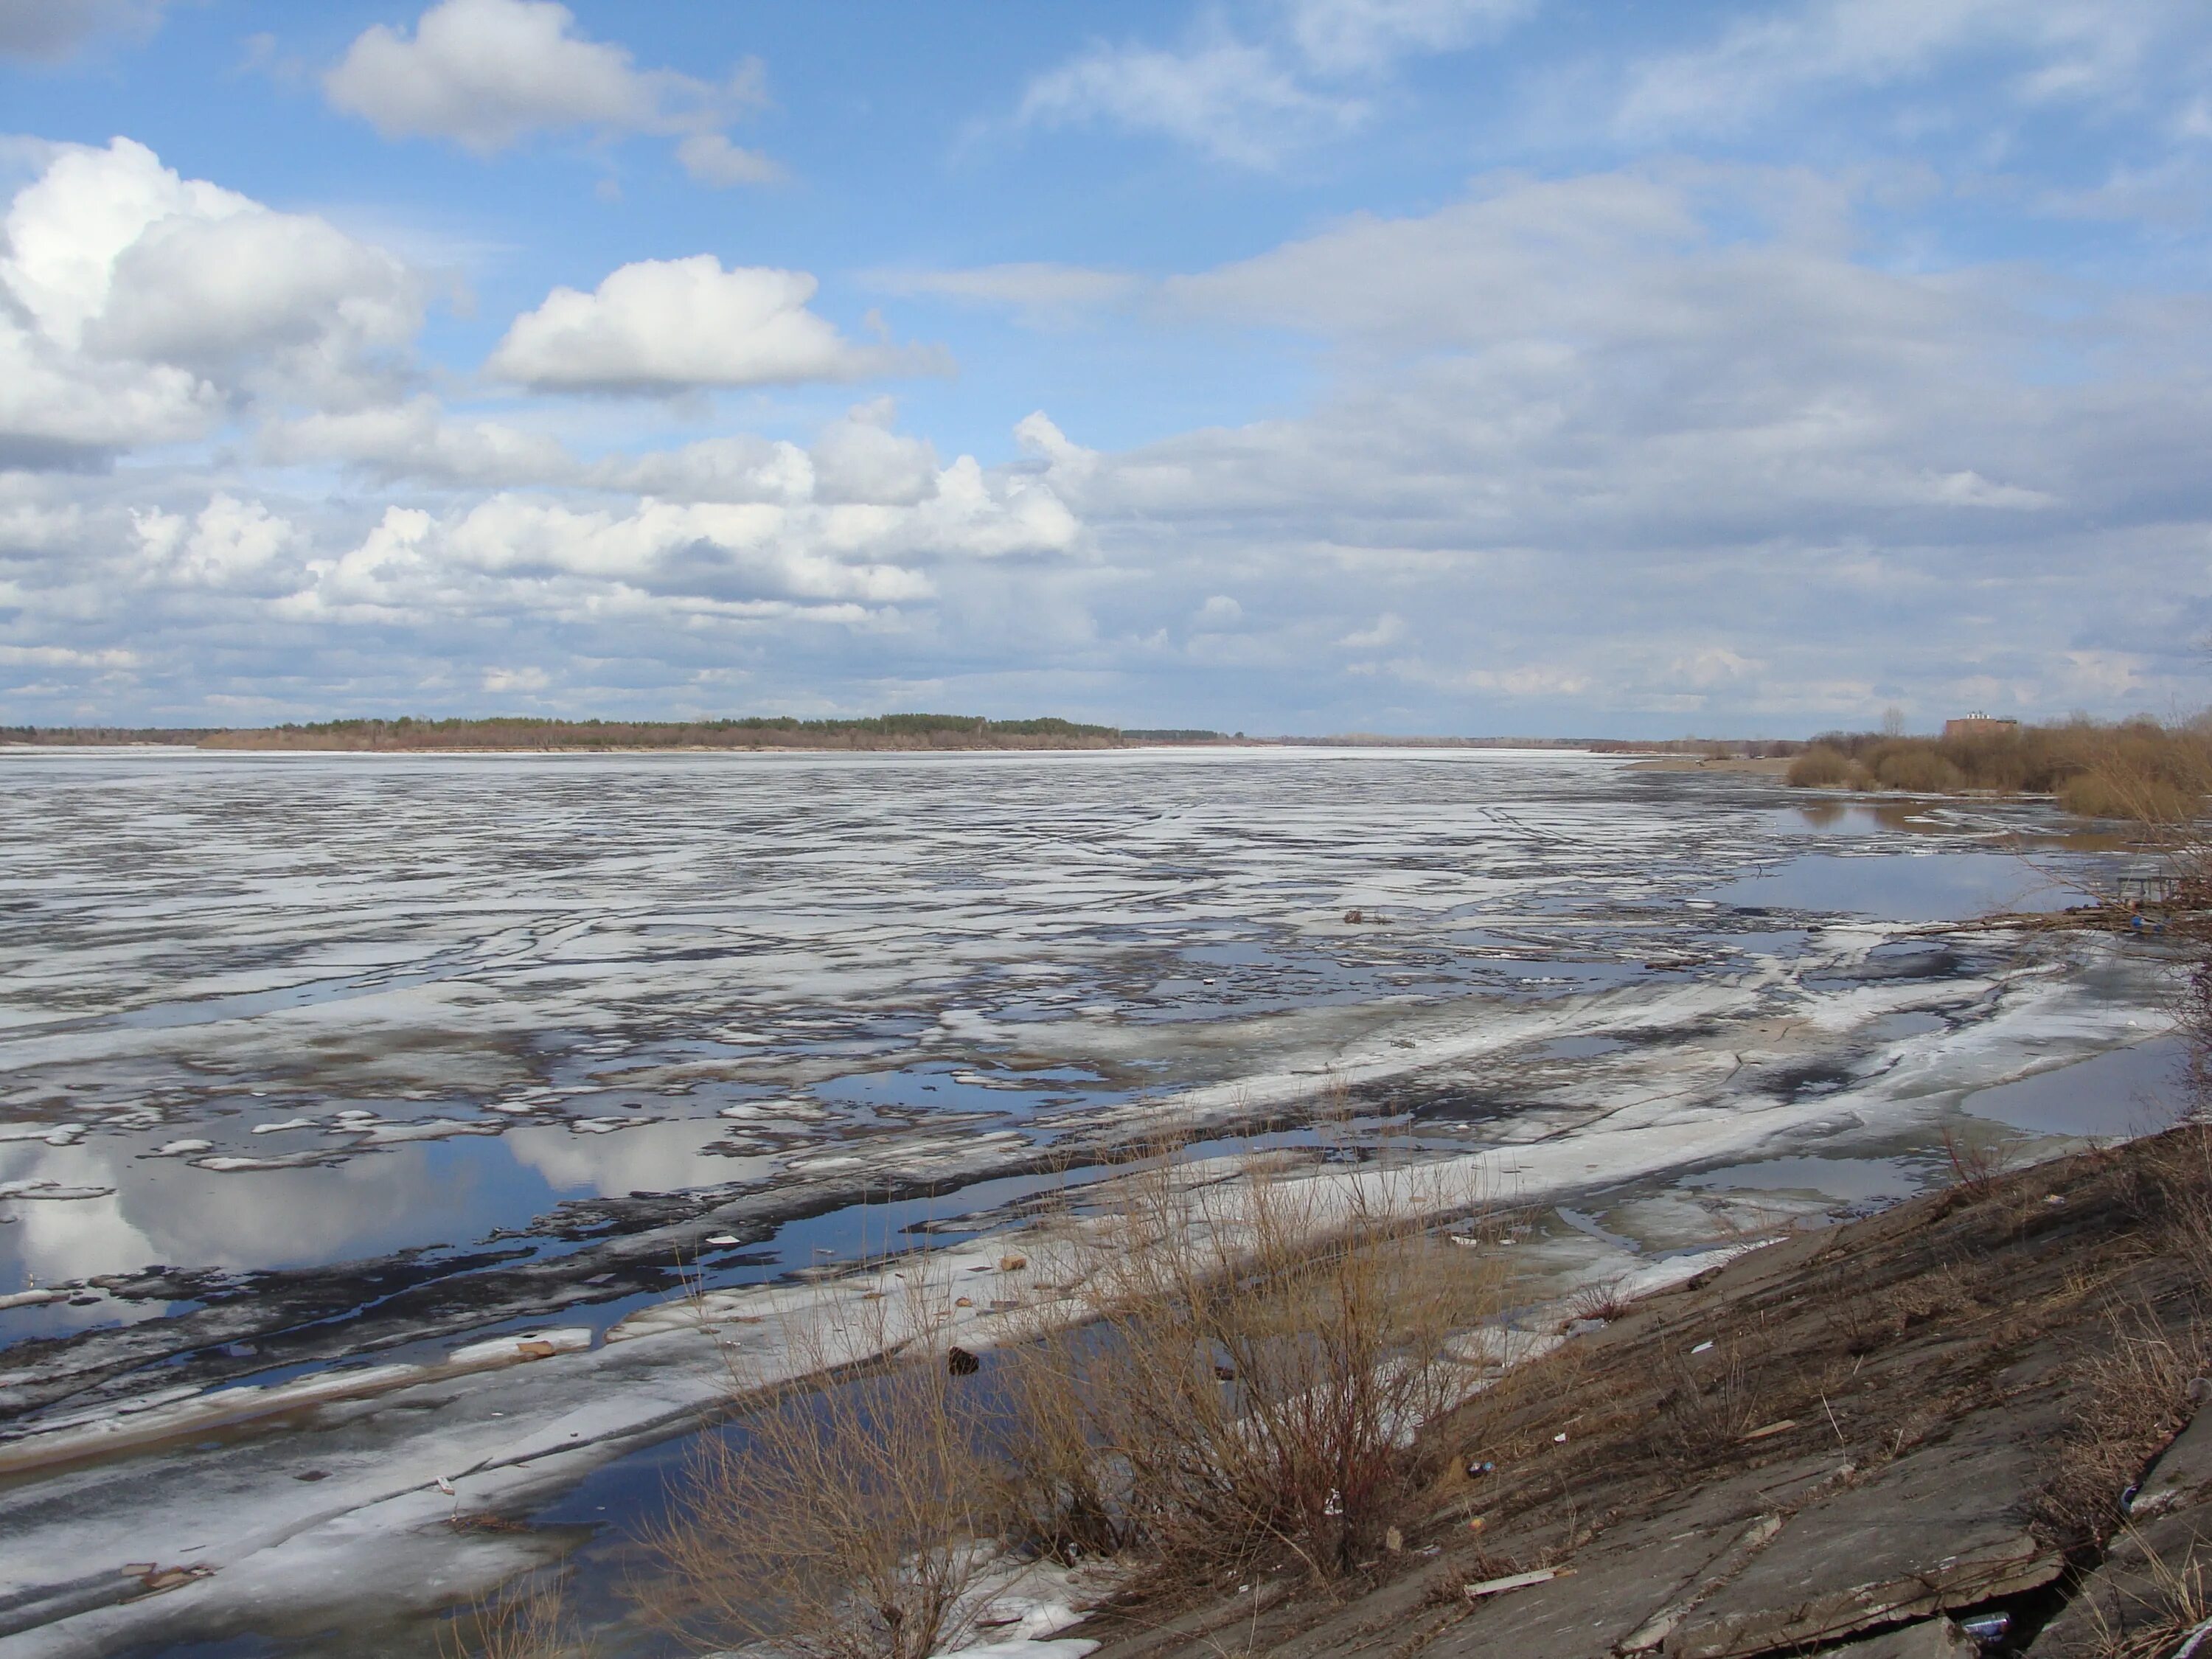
(52, 1189)
(524, 1345)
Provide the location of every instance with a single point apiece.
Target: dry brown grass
(1710, 1404)
(1237, 1386)
(2137, 771)
(529, 1621)
(2140, 1376)
(2153, 1626)
(1250, 1395)
(846, 1518)
(2138, 1381)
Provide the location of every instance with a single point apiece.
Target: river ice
(310, 1060)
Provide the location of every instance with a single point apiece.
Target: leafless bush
(847, 1519)
(1975, 1165)
(529, 1622)
(1062, 1493)
(1914, 768)
(1860, 1323)
(1222, 1367)
(1600, 1301)
(1710, 1404)
(1821, 768)
(1265, 1352)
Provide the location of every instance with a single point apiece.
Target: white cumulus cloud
(138, 306)
(663, 325)
(230, 542)
(486, 74)
(416, 439)
(860, 458)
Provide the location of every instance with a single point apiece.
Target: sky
(1474, 367)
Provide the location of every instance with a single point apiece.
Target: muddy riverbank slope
(1948, 1428)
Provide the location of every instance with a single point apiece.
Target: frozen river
(306, 1060)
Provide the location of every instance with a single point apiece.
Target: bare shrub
(2105, 795)
(2143, 773)
(1917, 768)
(1862, 1324)
(1976, 1165)
(2135, 769)
(1237, 1385)
(529, 1622)
(1603, 1300)
(1061, 1494)
(1710, 1404)
(1267, 1349)
(1820, 768)
(844, 1519)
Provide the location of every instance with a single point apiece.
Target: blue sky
(1404, 366)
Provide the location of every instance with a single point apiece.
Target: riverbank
(869, 734)
(1871, 1438)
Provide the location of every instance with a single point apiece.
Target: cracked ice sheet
(1165, 932)
(373, 1527)
(531, 936)
(801, 941)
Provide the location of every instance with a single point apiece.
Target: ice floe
(955, 973)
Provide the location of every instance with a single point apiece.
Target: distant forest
(874, 731)
(898, 731)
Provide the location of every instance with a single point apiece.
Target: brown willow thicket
(1216, 1376)
(2137, 770)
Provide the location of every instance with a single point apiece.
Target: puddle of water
(945, 1087)
(1902, 886)
(2125, 1092)
(1896, 1028)
(431, 1196)
(1847, 1180)
(1838, 817)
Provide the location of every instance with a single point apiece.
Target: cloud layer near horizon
(1664, 444)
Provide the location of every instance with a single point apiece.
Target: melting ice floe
(278, 1543)
(1047, 927)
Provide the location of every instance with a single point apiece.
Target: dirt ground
(1910, 1434)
